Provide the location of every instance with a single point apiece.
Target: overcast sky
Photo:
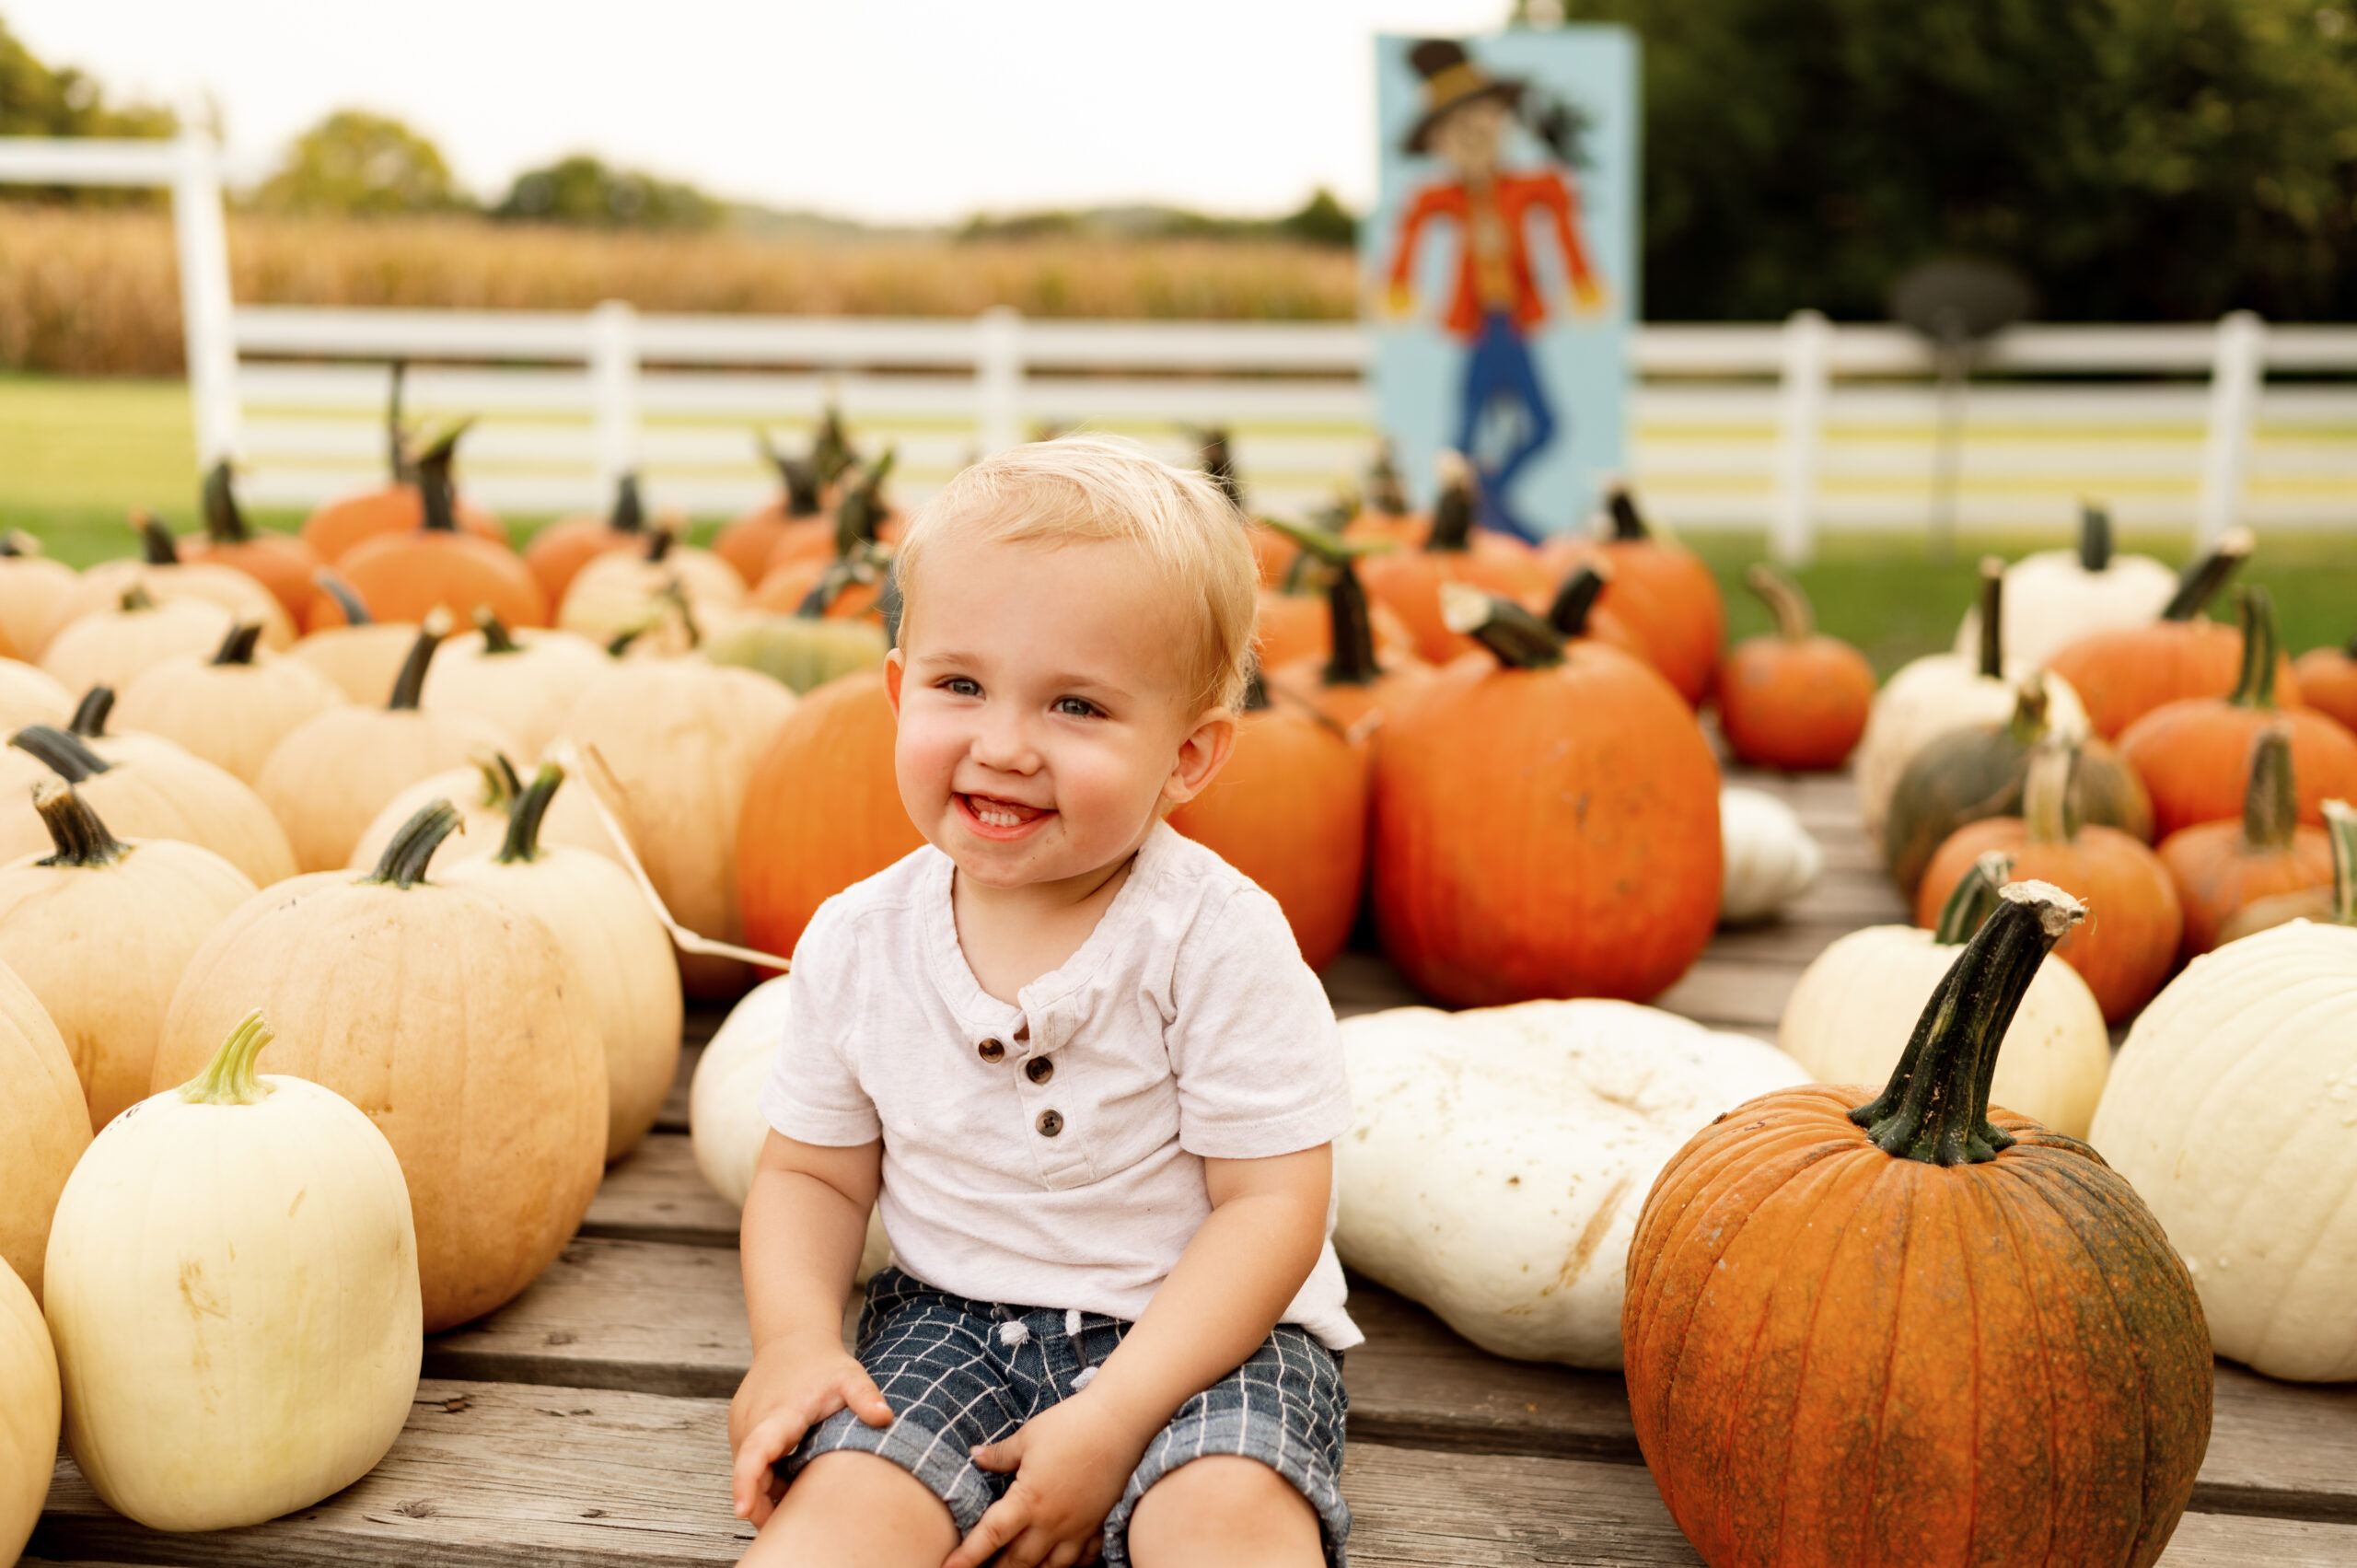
(922, 110)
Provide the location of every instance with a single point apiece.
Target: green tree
(2136, 159)
(36, 100)
(355, 163)
(584, 191)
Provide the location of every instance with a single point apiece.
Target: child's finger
(760, 1450)
(1001, 1457)
(1000, 1525)
(867, 1400)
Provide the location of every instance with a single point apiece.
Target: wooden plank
(2212, 1540)
(655, 1194)
(2288, 1449)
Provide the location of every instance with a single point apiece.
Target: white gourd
(725, 1121)
(2054, 596)
(2232, 1111)
(1500, 1156)
(30, 1409)
(233, 1292)
(1768, 858)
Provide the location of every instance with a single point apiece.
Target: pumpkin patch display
(2230, 1109)
(115, 647)
(559, 551)
(1495, 1166)
(32, 587)
(1408, 582)
(44, 1127)
(359, 653)
(2056, 597)
(237, 1258)
(2327, 680)
(458, 1023)
(1770, 859)
(231, 709)
(335, 529)
(438, 564)
(2128, 942)
(30, 1412)
(2222, 868)
(160, 573)
(281, 563)
(2194, 755)
(1796, 699)
(1660, 590)
(619, 591)
(1808, 1260)
(1487, 889)
(145, 787)
(801, 651)
(519, 683)
(1856, 1006)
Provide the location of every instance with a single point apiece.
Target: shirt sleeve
(1252, 1044)
(813, 1093)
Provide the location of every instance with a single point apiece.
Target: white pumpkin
(115, 647)
(231, 709)
(1500, 1156)
(233, 1292)
(521, 684)
(621, 590)
(30, 695)
(2232, 1111)
(2055, 596)
(724, 1119)
(1769, 859)
(482, 794)
(30, 1409)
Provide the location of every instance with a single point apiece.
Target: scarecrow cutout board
(1501, 264)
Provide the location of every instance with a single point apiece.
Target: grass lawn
(76, 456)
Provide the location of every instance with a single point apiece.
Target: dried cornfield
(87, 291)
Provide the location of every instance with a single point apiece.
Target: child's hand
(1069, 1464)
(792, 1387)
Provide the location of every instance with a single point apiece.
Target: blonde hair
(1106, 487)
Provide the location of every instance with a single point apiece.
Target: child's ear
(895, 667)
(1201, 756)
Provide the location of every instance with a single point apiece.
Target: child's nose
(1002, 742)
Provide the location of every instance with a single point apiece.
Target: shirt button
(992, 1050)
(1039, 1069)
(1050, 1124)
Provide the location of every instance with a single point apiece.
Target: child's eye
(962, 686)
(1076, 707)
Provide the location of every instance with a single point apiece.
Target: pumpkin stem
(434, 479)
(405, 859)
(2031, 700)
(229, 1078)
(347, 598)
(1628, 523)
(81, 838)
(830, 451)
(1575, 601)
(658, 546)
(225, 521)
(2048, 813)
(61, 751)
(2272, 803)
(862, 507)
(1519, 639)
(523, 842)
(1351, 622)
(1974, 901)
(1453, 512)
(238, 648)
(136, 597)
(497, 638)
(2094, 537)
(1993, 618)
(157, 545)
(1385, 495)
(801, 478)
(1218, 460)
(18, 543)
(2200, 583)
(397, 453)
(500, 784)
(1935, 1109)
(1256, 691)
(1784, 601)
(89, 720)
(629, 514)
(410, 685)
(2340, 827)
(2256, 686)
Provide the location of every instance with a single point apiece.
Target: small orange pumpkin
(1354, 677)
(403, 576)
(399, 507)
(1660, 590)
(2221, 867)
(281, 563)
(563, 548)
(747, 542)
(1797, 699)
(2328, 679)
(862, 521)
(1408, 582)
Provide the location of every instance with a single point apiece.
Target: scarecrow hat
(1451, 81)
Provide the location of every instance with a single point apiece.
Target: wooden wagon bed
(585, 1423)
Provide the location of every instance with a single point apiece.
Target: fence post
(613, 391)
(998, 378)
(2236, 375)
(1800, 436)
(206, 322)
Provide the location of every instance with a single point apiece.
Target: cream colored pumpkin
(145, 787)
(175, 582)
(31, 586)
(681, 739)
(101, 930)
(233, 1290)
(2053, 598)
(30, 695)
(328, 780)
(44, 1127)
(458, 1023)
(621, 590)
(114, 647)
(1768, 858)
(231, 712)
(1500, 1157)
(30, 1405)
(482, 794)
(623, 953)
(2232, 1111)
(725, 1118)
(364, 661)
(523, 691)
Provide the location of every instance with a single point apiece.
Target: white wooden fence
(1796, 427)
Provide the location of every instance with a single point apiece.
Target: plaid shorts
(958, 1374)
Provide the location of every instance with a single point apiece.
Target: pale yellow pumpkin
(231, 709)
(520, 683)
(44, 1127)
(233, 1292)
(30, 1409)
(146, 788)
(168, 580)
(114, 647)
(458, 1023)
(622, 951)
(364, 661)
(622, 590)
(30, 587)
(31, 695)
(483, 792)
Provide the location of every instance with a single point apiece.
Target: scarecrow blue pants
(1500, 380)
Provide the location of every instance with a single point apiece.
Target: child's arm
(806, 1218)
(1267, 1226)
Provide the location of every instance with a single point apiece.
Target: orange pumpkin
(1660, 590)
(336, 528)
(1546, 827)
(404, 576)
(2194, 754)
(822, 811)
(747, 542)
(837, 587)
(862, 520)
(2327, 679)
(563, 548)
(1408, 582)
(1796, 699)
(2130, 942)
(281, 563)
(2221, 867)
(1917, 1330)
(1350, 678)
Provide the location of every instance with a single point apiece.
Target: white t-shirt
(1050, 1154)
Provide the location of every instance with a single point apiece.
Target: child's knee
(1223, 1508)
(847, 1506)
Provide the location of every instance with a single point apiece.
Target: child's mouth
(995, 818)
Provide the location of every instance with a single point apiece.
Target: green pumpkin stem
(433, 486)
(225, 520)
(1974, 901)
(157, 545)
(1519, 639)
(410, 684)
(500, 784)
(1935, 1109)
(1453, 512)
(1575, 601)
(2031, 704)
(1628, 523)
(2340, 828)
(238, 648)
(830, 451)
(1386, 496)
(135, 597)
(347, 598)
(1784, 600)
(1351, 622)
(229, 1078)
(89, 720)
(1993, 618)
(405, 859)
(16, 543)
(2271, 802)
(2094, 537)
(81, 839)
(629, 514)
(2049, 811)
(658, 546)
(2255, 688)
(522, 844)
(801, 478)
(861, 507)
(61, 751)
(2200, 583)
(497, 638)
(398, 460)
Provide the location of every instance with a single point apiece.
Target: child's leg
(852, 1507)
(1225, 1512)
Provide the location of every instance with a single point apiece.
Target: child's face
(1044, 711)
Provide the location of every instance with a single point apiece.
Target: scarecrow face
(1468, 137)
